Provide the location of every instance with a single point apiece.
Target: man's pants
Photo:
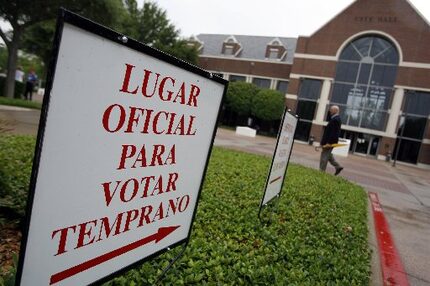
(327, 156)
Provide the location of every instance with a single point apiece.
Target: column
(323, 101)
(395, 112)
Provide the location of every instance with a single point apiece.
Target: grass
(20, 103)
(318, 235)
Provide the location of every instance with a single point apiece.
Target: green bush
(239, 97)
(268, 105)
(16, 156)
(318, 235)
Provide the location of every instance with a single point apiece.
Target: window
(413, 123)
(234, 78)
(273, 53)
(228, 50)
(261, 82)
(310, 89)
(363, 85)
(309, 93)
(282, 86)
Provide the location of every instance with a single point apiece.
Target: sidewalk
(404, 193)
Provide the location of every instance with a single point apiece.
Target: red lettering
(145, 83)
(195, 91)
(161, 89)
(156, 155)
(126, 80)
(84, 232)
(63, 238)
(131, 216)
(108, 194)
(128, 151)
(107, 116)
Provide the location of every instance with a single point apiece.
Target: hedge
(16, 156)
(318, 235)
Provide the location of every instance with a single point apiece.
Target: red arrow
(159, 235)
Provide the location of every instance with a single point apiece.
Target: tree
(240, 97)
(25, 13)
(268, 105)
(156, 31)
(119, 17)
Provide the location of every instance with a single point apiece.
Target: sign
(281, 157)
(123, 146)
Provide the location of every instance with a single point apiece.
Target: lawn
(20, 103)
(318, 235)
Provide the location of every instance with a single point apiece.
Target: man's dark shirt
(332, 131)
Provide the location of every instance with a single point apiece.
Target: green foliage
(268, 104)
(240, 96)
(16, 156)
(19, 102)
(8, 279)
(156, 30)
(308, 243)
(318, 235)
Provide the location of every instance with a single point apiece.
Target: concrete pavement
(404, 193)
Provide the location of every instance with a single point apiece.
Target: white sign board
(281, 158)
(126, 141)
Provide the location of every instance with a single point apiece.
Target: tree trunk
(9, 87)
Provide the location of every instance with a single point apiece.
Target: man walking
(331, 136)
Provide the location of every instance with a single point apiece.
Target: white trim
(271, 43)
(246, 59)
(360, 130)
(284, 55)
(250, 75)
(415, 65)
(291, 96)
(315, 57)
(412, 88)
(366, 32)
(396, 106)
(335, 58)
(323, 100)
(426, 141)
(298, 76)
(231, 37)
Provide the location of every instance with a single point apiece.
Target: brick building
(372, 59)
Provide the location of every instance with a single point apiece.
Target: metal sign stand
(274, 208)
(274, 202)
(176, 258)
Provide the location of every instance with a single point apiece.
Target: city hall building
(372, 60)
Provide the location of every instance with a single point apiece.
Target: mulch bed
(10, 238)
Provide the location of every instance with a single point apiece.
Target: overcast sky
(283, 18)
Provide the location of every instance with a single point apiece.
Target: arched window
(363, 86)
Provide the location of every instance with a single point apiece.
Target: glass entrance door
(361, 143)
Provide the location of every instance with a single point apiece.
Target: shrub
(16, 156)
(308, 243)
(239, 97)
(268, 105)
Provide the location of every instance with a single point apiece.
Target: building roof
(253, 47)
